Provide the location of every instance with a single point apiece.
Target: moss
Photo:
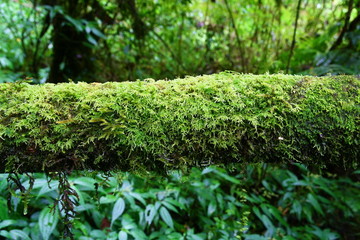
(156, 125)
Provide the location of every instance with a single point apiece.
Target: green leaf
(87, 29)
(166, 217)
(47, 222)
(220, 174)
(76, 23)
(169, 206)
(265, 209)
(3, 209)
(127, 222)
(300, 183)
(80, 195)
(35, 232)
(7, 223)
(39, 183)
(264, 219)
(107, 199)
(266, 185)
(85, 183)
(84, 207)
(308, 213)
(150, 213)
(138, 197)
(288, 238)
(19, 235)
(98, 33)
(314, 202)
(254, 237)
(98, 234)
(47, 189)
(97, 217)
(15, 235)
(80, 225)
(138, 234)
(220, 200)
(5, 234)
(85, 238)
(325, 234)
(91, 40)
(207, 170)
(297, 208)
(211, 208)
(192, 236)
(118, 209)
(276, 213)
(176, 203)
(123, 235)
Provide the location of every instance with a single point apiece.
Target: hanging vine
(14, 185)
(67, 201)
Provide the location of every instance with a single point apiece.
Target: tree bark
(73, 56)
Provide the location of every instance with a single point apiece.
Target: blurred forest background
(118, 40)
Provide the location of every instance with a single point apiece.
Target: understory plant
(256, 202)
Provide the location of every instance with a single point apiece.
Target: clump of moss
(196, 121)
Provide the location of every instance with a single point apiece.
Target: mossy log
(196, 121)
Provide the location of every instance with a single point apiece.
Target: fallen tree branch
(160, 125)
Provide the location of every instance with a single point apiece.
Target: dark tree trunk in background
(72, 52)
(345, 27)
(128, 8)
(72, 57)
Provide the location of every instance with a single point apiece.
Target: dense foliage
(167, 127)
(117, 40)
(257, 202)
(196, 121)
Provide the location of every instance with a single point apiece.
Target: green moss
(157, 125)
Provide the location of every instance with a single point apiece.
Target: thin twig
(168, 48)
(345, 27)
(238, 40)
(180, 41)
(206, 41)
(294, 36)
